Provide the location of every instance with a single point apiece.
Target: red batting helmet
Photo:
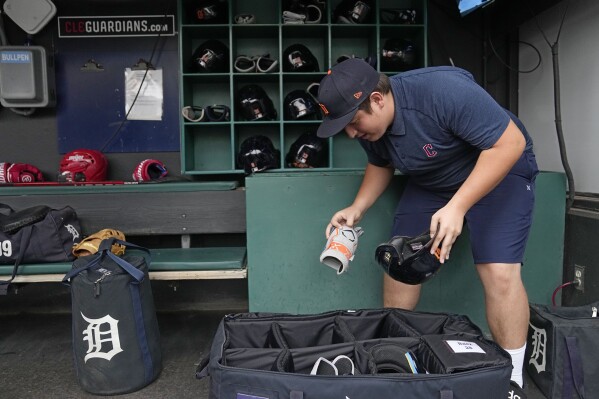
(83, 165)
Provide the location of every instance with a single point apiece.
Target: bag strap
(444, 394)
(25, 238)
(138, 316)
(104, 250)
(134, 289)
(573, 373)
(202, 368)
(73, 272)
(137, 274)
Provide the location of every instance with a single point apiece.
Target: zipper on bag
(98, 282)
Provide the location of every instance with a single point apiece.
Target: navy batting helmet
(408, 259)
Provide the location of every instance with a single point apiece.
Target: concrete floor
(36, 352)
(36, 356)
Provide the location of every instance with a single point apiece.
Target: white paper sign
(464, 347)
(148, 104)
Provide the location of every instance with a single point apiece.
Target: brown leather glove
(90, 244)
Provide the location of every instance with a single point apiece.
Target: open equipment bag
(362, 354)
(562, 350)
(116, 341)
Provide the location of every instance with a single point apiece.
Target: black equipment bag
(116, 342)
(562, 349)
(393, 353)
(38, 234)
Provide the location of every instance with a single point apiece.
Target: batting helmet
(256, 154)
(83, 165)
(308, 151)
(254, 104)
(211, 56)
(408, 259)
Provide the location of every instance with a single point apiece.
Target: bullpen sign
(116, 26)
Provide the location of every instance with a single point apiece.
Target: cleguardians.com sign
(116, 26)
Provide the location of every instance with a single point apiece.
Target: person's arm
(375, 181)
(491, 167)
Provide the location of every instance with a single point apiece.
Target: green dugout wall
(286, 218)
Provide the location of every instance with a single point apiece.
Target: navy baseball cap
(341, 91)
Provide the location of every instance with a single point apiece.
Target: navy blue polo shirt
(443, 120)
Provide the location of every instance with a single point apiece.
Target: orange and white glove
(341, 247)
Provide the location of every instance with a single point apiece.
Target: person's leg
(506, 304)
(499, 225)
(399, 295)
(412, 217)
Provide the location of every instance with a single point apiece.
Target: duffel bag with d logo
(38, 234)
(562, 349)
(116, 341)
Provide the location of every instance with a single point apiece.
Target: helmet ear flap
(308, 151)
(299, 58)
(254, 104)
(300, 105)
(256, 154)
(353, 12)
(408, 259)
(390, 253)
(212, 56)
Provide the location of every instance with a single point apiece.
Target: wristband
(217, 113)
(313, 14)
(265, 64)
(193, 113)
(245, 64)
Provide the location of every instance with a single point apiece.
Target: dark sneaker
(515, 392)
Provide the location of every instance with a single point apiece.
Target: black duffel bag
(38, 234)
(562, 349)
(367, 353)
(116, 341)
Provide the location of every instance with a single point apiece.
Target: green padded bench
(178, 212)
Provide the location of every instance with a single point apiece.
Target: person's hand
(446, 226)
(349, 216)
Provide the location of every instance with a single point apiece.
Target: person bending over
(467, 158)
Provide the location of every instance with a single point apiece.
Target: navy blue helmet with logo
(211, 56)
(254, 104)
(256, 154)
(408, 259)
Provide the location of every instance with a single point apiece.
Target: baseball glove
(90, 244)
(19, 173)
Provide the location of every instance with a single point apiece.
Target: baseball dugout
(195, 230)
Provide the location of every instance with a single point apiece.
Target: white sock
(517, 362)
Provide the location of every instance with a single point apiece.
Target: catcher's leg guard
(341, 247)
